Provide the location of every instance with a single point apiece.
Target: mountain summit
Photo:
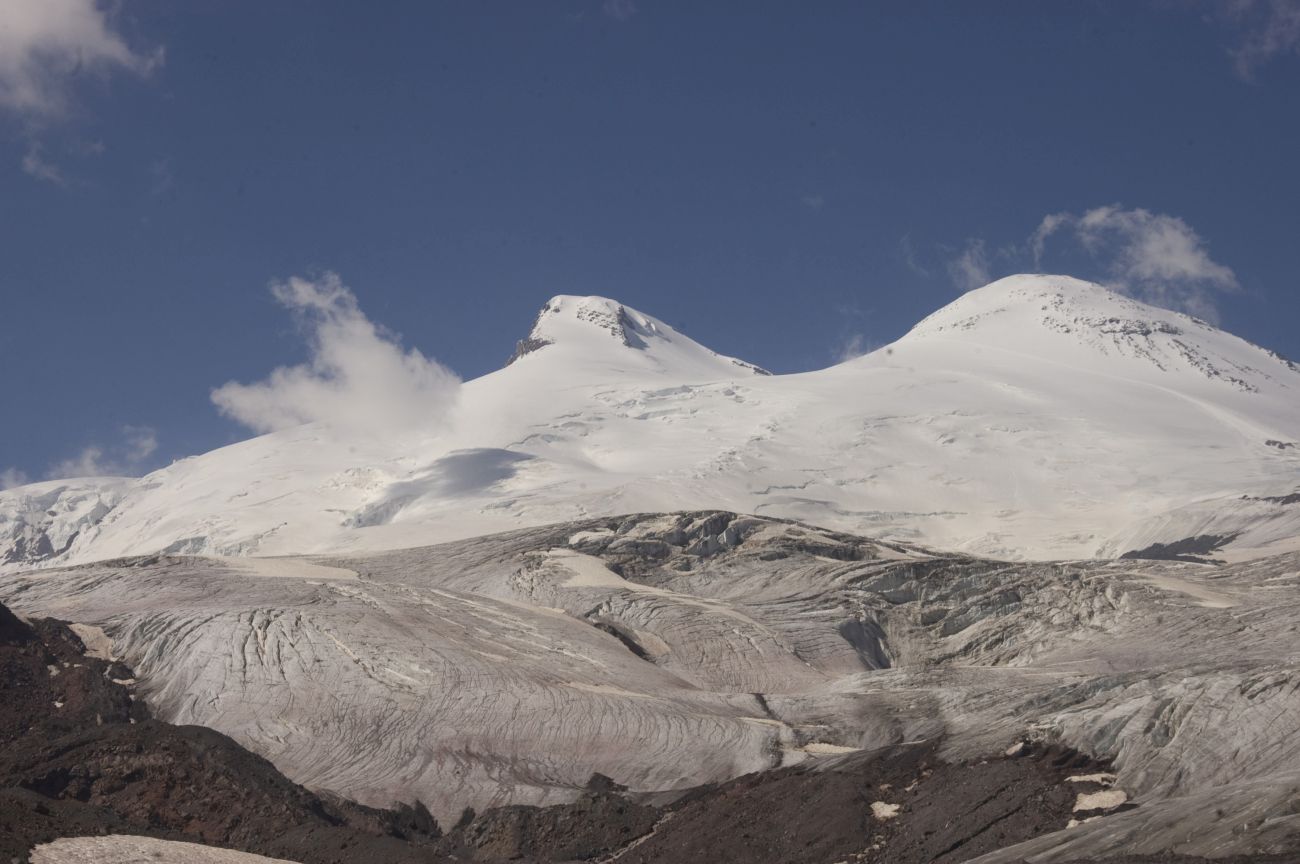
(599, 331)
(1037, 417)
(1085, 325)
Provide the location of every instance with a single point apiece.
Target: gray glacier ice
(670, 650)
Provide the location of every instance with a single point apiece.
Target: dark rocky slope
(79, 756)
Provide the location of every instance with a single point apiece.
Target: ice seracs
(40, 521)
(1037, 417)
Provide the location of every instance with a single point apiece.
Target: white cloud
(1155, 257)
(46, 44)
(35, 165)
(970, 269)
(359, 378)
(1266, 29)
(620, 10)
(11, 477)
(126, 458)
(813, 202)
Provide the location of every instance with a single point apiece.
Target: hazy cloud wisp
(1157, 258)
(619, 10)
(128, 457)
(1266, 29)
(358, 379)
(35, 165)
(45, 44)
(12, 477)
(970, 269)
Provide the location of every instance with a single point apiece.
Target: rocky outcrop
(901, 805)
(79, 755)
(1193, 549)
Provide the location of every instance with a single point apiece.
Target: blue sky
(788, 185)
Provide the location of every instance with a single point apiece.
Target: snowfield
(125, 849)
(1039, 417)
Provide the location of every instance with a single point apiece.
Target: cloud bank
(46, 44)
(1156, 258)
(358, 380)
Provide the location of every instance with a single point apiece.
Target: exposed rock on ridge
(80, 755)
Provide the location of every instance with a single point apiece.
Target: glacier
(668, 651)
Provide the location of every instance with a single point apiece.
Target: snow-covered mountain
(1039, 417)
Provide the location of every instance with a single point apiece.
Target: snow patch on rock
(127, 849)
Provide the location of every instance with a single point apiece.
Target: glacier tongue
(1038, 417)
(509, 668)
